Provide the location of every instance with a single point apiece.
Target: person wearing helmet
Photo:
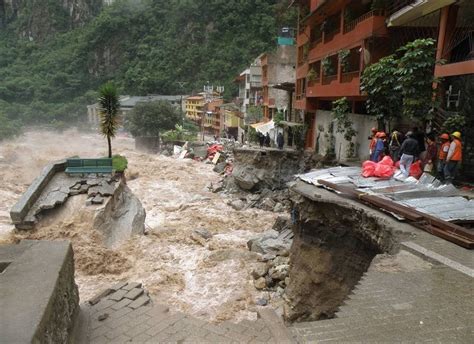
(396, 140)
(408, 152)
(442, 155)
(373, 142)
(454, 156)
(379, 149)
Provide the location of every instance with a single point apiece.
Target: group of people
(440, 159)
(265, 140)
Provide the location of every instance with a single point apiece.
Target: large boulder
(120, 217)
(247, 177)
(270, 242)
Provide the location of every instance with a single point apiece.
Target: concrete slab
(38, 296)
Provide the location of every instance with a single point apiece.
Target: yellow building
(195, 108)
(233, 119)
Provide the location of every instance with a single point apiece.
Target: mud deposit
(209, 278)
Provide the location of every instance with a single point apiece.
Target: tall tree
(152, 118)
(109, 105)
(415, 77)
(384, 98)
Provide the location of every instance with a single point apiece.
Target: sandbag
(415, 170)
(386, 161)
(368, 169)
(384, 171)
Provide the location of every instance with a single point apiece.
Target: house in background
(250, 87)
(195, 108)
(277, 67)
(127, 103)
(213, 125)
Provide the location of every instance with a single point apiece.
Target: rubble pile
(272, 274)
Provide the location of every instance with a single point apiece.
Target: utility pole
(181, 87)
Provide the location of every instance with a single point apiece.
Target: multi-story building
(277, 67)
(336, 39)
(213, 125)
(451, 24)
(195, 108)
(250, 87)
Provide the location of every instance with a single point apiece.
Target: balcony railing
(328, 79)
(351, 25)
(348, 77)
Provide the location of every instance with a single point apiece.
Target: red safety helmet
(444, 136)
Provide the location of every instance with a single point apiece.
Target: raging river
(209, 279)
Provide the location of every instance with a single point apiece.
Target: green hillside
(49, 68)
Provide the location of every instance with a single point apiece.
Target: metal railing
(328, 79)
(349, 76)
(351, 25)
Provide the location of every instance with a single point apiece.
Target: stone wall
(39, 299)
(28, 199)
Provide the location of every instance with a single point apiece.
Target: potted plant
(328, 68)
(312, 75)
(344, 60)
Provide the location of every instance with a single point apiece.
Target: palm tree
(109, 105)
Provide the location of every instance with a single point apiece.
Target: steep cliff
(37, 19)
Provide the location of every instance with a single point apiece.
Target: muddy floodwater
(209, 279)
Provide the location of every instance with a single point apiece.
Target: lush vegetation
(152, 118)
(402, 84)
(142, 46)
(119, 163)
(344, 124)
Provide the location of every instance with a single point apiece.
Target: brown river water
(209, 279)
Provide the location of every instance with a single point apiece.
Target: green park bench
(85, 166)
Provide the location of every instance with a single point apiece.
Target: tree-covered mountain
(55, 53)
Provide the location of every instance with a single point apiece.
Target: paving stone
(118, 286)
(95, 300)
(118, 295)
(134, 293)
(124, 302)
(132, 285)
(103, 304)
(141, 301)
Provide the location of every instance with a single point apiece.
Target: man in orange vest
(454, 156)
(443, 154)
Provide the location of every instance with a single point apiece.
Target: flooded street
(209, 279)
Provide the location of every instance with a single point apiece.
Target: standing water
(209, 279)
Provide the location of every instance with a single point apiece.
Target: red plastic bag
(384, 171)
(415, 170)
(386, 161)
(368, 168)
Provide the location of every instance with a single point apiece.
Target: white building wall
(362, 124)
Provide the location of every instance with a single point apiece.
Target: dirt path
(209, 279)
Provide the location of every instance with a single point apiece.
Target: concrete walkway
(428, 298)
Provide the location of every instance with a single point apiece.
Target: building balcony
(347, 85)
(368, 25)
(255, 84)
